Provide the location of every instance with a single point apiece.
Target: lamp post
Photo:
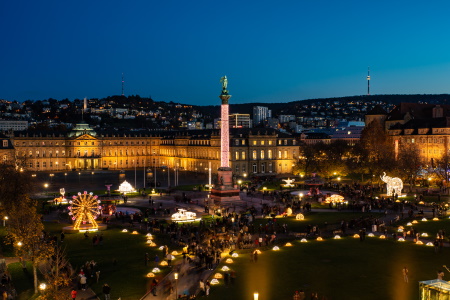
(175, 275)
(45, 186)
(42, 287)
(79, 177)
(5, 218)
(51, 177)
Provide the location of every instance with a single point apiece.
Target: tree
(15, 183)
(409, 163)
(307, 162)
(25, 232)
(58, 274)
(442, 169)
(377, 149)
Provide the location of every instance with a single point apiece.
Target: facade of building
(252, 151)
(240, 121)
(13, 125)
(425, 125)
(260, 114)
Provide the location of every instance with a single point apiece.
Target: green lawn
(127, 277)
(332, 220)
(430, 227)
(344, 269)
(22, 280)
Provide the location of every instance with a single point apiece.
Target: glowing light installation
(289, 182)
(394, 185)
(184, 215)
(84, 209)
(125, 187)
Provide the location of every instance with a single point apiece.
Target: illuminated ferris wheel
(84, 209)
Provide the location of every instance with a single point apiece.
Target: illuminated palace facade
(425, 125)
(252, 151)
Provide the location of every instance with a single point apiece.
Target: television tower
(123, 83)
(368, 81)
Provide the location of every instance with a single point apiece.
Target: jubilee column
(224, 189)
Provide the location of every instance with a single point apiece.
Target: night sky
(271, 51)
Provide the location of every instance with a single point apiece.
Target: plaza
(345, 268)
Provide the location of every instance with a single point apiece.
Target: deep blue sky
(271, 51)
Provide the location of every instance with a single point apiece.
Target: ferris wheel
(84, 209)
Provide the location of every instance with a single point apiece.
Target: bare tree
(409, 163)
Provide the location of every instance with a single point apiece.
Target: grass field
(339, 269)
(344, 269)
(322, 219)
(127, 277)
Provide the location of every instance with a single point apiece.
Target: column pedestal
(224, 190)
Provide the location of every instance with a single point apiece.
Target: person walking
(106, 291)
(207, 288)
(405, 274)
(202, 287)
(83, 281)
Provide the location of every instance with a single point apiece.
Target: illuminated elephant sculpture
(394, 185)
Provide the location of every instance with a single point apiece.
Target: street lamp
(45, 186)
(51, 177)
(255, 296)
(42, 286)
(19, 244)
(79, 175)
(175, 275)
(5, 218)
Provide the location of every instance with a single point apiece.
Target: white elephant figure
(394, 185)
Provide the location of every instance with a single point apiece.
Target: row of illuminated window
(260, 168)
(238, 142)
(427, 140)
(106, 163)
(433, 151)
(80, 143)
(241, 155)
(79, 153)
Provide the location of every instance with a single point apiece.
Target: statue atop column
(224, 82)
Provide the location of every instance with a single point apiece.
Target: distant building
(252, 151)
(261, 113)
(286, 118)
(240, 121)
(13, 125)
(351, 134)
(195, 125)
(272, 123)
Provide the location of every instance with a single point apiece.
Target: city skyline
(178, 51)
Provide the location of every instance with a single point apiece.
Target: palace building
(252, 151)
(425, 125)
